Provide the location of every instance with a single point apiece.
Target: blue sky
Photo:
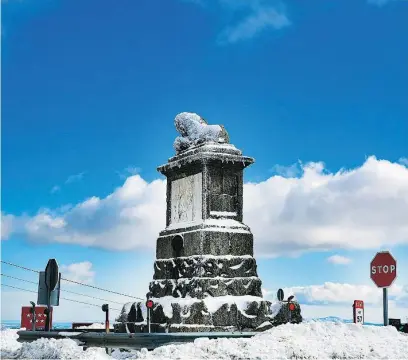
(89, 93)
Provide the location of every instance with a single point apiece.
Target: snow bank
(45, 349)
(312, 340)
(93, 326)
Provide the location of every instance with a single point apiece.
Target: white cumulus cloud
(339, 260)
(331, 293)
(6, 225)
(80, 272)
(361, 208)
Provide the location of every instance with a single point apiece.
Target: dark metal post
(105, 309)
(148, 320)
(290, 298)
(48, 312)
(385, 306)
(51, 281)
(47, 318)
(289, 313)
(34, 315)
(149, 306)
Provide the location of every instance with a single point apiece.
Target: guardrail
(136, 341)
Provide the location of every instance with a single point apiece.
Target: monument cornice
(206, 153)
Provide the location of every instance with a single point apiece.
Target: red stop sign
(383, 269)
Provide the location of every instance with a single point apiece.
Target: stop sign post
(383, 272)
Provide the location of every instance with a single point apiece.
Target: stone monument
(205, 275)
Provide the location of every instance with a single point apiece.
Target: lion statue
(194, 130)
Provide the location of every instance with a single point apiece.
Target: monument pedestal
(205, 276)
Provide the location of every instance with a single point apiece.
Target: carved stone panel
(223, 191)
(186, 199)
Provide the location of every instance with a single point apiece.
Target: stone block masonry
(205, 275)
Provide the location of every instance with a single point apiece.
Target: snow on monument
(205, 275)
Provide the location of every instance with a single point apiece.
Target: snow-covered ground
(309, 340)
(94, 326)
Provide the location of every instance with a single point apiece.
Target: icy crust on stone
(124, 312)
(226, 223)
(175, 165)
(210, 147)
(223, 214)
(212, 303)
(223, 313)
(241, 312)
(209, 266)
(194, 130)
(132, 311)
(229, 225)
(93, 326)
(201, 287)
(204, 153)
(212, 257)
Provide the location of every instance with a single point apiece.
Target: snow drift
(310, 340)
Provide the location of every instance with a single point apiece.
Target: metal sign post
(34, 315)
(291, 307)
(42, 298)
(385, 306)
(149, 306)
(51, 280)
(383, 269)
(105, 309)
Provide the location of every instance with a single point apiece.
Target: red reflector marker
(291, 306)
(149, 304)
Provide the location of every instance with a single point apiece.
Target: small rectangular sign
(40, 317)
(358, 312)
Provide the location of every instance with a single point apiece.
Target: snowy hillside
(310, 340)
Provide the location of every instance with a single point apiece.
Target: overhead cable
(80, 302)
(75, 282)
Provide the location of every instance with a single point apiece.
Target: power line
(19, 266)
(90, 296)
(98, 288)
(16, 278)
(80, 302)
(67, 291)
(75, 282)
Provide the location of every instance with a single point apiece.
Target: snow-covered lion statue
(195, 130)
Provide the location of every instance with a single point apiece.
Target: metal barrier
(127, 341)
